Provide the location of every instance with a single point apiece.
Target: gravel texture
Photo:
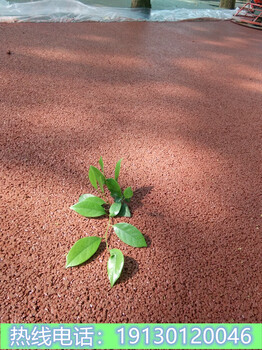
(181, 103)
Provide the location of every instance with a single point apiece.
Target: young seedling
(92, 206)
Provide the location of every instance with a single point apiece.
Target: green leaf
(88, 209)
(95, 176)
(115, 265)
(85, 196)
(91, 199)
(114, 209)
(82, 250)
(128, 193)
(101, 163)
(130, 235)
(118, 199)
(114, 188)
(92, 177)
(117, 169)
(124, 211)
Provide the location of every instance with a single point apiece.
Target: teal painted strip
(131, 336)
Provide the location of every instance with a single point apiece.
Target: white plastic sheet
(76, 11)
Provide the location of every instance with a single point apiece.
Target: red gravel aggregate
(181, 103)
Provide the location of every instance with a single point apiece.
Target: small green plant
(92, 206)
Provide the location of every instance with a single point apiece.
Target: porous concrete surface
(181, 104)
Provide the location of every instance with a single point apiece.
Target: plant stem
(108, 225)
(104, 197)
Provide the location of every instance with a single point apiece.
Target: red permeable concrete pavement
(181, 103)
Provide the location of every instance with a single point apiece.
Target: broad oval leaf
(82, 250)
(117, 169)
(91, 198)
(101, 163)
(114, 188)
(118, 199)
(130, 235)
(92, 177)
(114, 209)
(98, 174)
(115, 265)
(95, 176)
(128, 193)
(88, 209)
(124, 211)
(85, 196)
